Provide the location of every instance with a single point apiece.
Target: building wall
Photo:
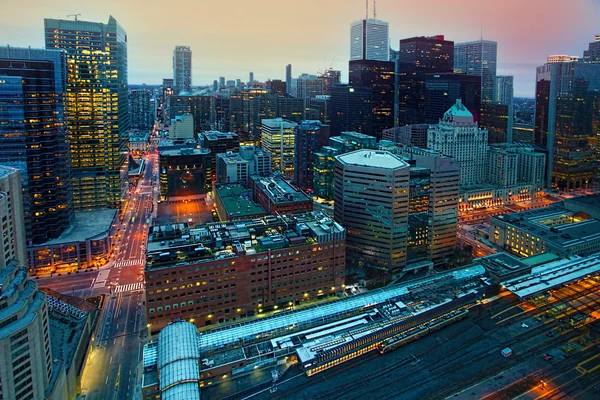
(182, 127)
(12, 217)
(224, 290)
(278, 141)
(182, 68)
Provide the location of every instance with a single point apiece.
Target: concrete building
(14, 245)
(243, 254)
(182, 127)
(565, 232)
(98, 169)
(234, 202)
(310, 136)
(182, 69)
(478, 58)
(369, 40)
(278, 141)
(442, 212)
(371, 201)
(185, 173)
(307, 86)
(407, 135)
(277, 196)
(238, 167)
(458, 136)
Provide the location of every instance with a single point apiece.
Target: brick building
(276, 195)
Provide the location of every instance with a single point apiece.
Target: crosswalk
(127, 263)
(130, 287)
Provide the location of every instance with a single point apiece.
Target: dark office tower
(288, 77)
(592, 54)
(143, 109)
(167, 92)
(351, 109)
(215, 86)
(250, 79)
(318, 108)
(417, 57)
(566, 122)
(290, 108)
(277, 86)
(478, 58)
(97, 108)
(220, 113)
(495, 118)
(379, 76)
(198, 106)
(33, 137)
(442, 90)
(182, 69)
(310, 136)
(330, 78)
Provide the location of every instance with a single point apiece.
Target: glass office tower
(97, 108)
(33, 138)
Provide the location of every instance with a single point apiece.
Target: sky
(233, 37)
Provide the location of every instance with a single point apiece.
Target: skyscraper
(478, 58)
(182, 68)
(369, 40)
(351, 109)
(33, 137)
(288, 77)
(143, 109)
(278, 141)
(566, 121)
(442, 90)
(250, 79)
(371, 202)
(14, 246)
(458, 136)
(310, 136)
(307, 86)
(379, 76)
(504, 89)
(97, 108)
(417, 57)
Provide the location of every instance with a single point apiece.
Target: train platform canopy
(553, 274)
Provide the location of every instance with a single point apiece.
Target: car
(548, 356)
(524, 325)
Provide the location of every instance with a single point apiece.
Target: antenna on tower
(374, 9)
(367, 9)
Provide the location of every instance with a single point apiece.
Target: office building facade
(97, 108)
(504, 91)
(351, 109)
(310, 136)
(219, 143)
(14, 245)
(307, 86)
(369, 40)
(182, 69)
(278, 140)
(371, 202)
(237, 167)
(142, 106)
(33, 137)
(478, 58)
(442, 90)
(379, 76)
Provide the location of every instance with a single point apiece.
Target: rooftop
(373, 159)
(85, 225)
(237, 201)
(553, 274)
(216, 135)
(458, 113)
(5, 171)
(188, 151)
(177, 244)
(554, 224)
(279, 190)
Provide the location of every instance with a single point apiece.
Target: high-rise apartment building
(142, 106)
(14, 245)
(33, 137)
(478, 58)
(566, 122)
(97, 108)
(182, 69)
(379, 76)
(504, 91)
(417, 57)
(442, 90)
(371, 202)
(458, 136)
(278, 141)
(369, 40)
(351, 109)
(310, 136)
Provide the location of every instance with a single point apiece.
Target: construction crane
(73, 15)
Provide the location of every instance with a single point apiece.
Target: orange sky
(232, 37)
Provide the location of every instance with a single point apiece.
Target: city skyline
(150, 50)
